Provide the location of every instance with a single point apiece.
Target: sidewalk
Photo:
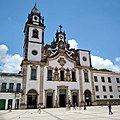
(92, 113)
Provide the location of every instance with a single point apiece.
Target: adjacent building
(10, 90)
(106, 87)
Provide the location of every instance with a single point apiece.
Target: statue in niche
(56, 74)
(67, 74)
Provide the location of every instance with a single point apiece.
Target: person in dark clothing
(110, 109)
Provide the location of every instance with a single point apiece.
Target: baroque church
(54, 74)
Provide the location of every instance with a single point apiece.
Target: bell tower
(34, 35)
(31, 65)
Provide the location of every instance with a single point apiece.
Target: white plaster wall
(84, 54)
(53, 84)
(39, 34)
(8, 95)
(86, 85)
(37, 47)
(10, 79)
(34, 46)
(54, 63)
(33, 84)
(113, 83)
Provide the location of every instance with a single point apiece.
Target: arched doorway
(32, 99)
(87, 94)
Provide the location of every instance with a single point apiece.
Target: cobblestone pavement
(92, 113)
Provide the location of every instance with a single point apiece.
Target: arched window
(35, 33)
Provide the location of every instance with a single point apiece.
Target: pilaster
(81, 85)
(41, 83)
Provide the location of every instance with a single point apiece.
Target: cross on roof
(60, 27)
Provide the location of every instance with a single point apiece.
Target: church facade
(54, 74)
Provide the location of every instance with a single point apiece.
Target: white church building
(54, 74)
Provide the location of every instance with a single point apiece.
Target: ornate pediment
(61, 61)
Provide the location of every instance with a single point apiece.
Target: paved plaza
(92, 113)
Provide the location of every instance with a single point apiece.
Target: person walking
(110, 109)
(85, 106)
(39, 108)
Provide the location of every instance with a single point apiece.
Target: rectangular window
(119, 96)
(18, 88)
(105, 96)
(96, 88)
(103, 79)
(86, 77)
(95, 79)
(111, 96)
(62, 75)
(109, 79)
(33, 73)
(97, 96)
(11, 85)
(104, 88)
(49, 74)
(118, 88)
(117, 80)
(3, 88)
(110, 88)
(73, 76)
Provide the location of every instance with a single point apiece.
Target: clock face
(35, 18)
(84, 58)
(34, 52)
(61, 37)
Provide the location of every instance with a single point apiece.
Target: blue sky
(94, 24)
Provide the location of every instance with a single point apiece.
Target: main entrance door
(32, 99)
(62, 97)
(49, 100)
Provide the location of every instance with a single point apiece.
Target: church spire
(35, 17)
(35, 10)
(60, 28)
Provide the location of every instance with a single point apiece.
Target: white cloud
(73, 44)
(9, 63)
(117, 59)
(100, 63)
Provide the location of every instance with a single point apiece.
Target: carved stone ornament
(61, 61)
